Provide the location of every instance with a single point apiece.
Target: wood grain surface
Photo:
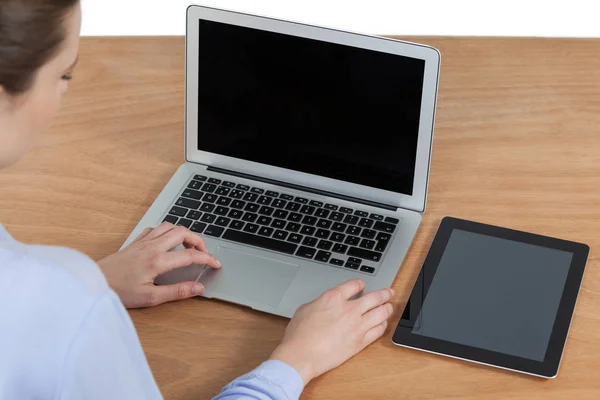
(517, 144)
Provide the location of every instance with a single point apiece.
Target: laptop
(307, 157)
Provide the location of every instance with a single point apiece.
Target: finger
(160, 230)
(142, 235)
(374, 333)
(180, 235)
(202, 247)
(350, 288)
(374, 299)
(182, 258)
(377, 316)
(179, 291)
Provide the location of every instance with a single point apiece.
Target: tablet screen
(495, 294)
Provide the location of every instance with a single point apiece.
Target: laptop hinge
(305, 188)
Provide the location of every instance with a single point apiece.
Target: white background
(568, 18)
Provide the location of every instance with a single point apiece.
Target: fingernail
(218, 262)
(197, 289)
(393, 291)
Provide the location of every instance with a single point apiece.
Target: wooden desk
(517, 144)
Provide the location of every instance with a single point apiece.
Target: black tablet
(494, 296)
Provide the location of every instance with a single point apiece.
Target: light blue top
(64, 334)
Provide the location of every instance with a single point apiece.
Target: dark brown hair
(31, 32)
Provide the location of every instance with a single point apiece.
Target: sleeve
(272, 380)
(105, 359)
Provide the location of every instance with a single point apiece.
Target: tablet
(494, 296)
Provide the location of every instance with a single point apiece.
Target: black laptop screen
(322, 108)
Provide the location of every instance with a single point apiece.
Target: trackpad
(247, 278)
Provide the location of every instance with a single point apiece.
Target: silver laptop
(308, 153)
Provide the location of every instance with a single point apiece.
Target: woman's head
(39, 42)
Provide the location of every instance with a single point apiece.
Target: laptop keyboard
(297, 226)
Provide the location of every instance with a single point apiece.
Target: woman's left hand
(131, 271)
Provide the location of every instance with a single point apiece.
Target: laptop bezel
(431, 56)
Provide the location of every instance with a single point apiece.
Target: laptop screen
(336, 111)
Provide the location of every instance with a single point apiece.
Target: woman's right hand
(330, 330)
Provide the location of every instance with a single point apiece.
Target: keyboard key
(222, 191)
(195, 215)
(338, 226)
(367, 233)
(351, 219)
(353, 230)
(306, 252)
(249, 217)
(257, 190)
(212, 230)
(301, 200)
(392, 220)
(336, 261)
(307, 230)
(323, 256)
(322, 213)
(264, 200)
(354, 260)
(214, 180)
(224, 201)
(278, 223)
(236, 194)
(251, 228)
(384, 236)
(272, 193)
(192, 194)
(209, 198)
(317, 204)
(340, 248)
(364, 254)
(262, 220)
(336, 216)
(322, 233)
(382, 241)
(295, 217)
(278, 203)
(292, 227)
(198, 227)
(293, 206)
(221, 210)
(260, 241)
(264, 210)
(352, 240)
(243, 187)
(337, 237)
(376, 217)
(208, 188)
(365, 223)
(194, 185)
(295, 238)
(280, 214)
(286, 197)
(229, 184)
(331, 207)
(238, 204)
(323, 223)
(223, 221)
(309, 210)
(368, 269)
(171, 218)
(183, 202)
(266, 231)
(382, 226)
(351, 265)
(367, 244)
(308, 220)
(208, 218)
(207, 207)
(309, 241)
(346, 210)
(324, 245)
(185, 222)
(180, 212)
(250, 196)
(361, 213)
(237, 225)
(252, 207)
(201, 178)
(281, 235)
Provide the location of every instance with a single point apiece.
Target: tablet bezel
(548, 368)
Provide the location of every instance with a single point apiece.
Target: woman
(65, 333)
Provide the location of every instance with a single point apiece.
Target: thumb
(178, 291)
